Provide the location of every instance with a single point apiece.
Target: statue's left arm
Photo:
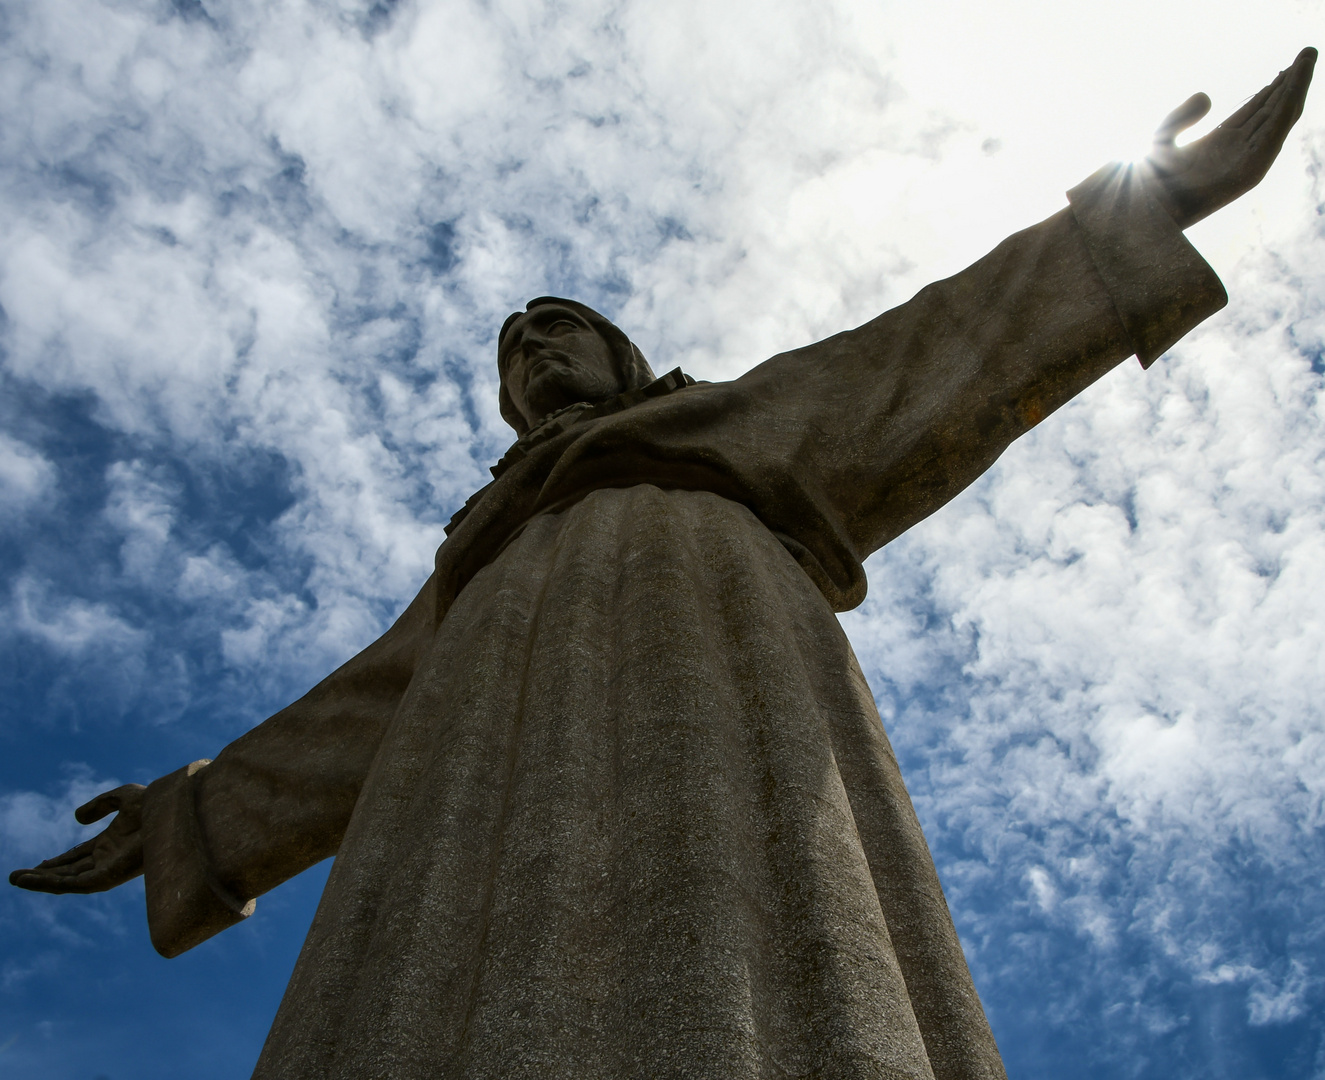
(885, 423)
(212, 836)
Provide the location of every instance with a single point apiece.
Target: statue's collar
(562, 420)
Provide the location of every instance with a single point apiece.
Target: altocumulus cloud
(254, 257)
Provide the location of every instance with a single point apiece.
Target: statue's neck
(564, 419)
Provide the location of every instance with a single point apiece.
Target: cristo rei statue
(612, 798)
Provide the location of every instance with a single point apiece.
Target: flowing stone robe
(612, 797)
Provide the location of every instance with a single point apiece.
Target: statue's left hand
(1199, 178)
(112, 857)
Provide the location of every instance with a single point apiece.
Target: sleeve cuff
(186, 904)
(1160, 285)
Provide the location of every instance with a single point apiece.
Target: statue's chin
(546, 396)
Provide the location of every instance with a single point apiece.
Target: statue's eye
(562, 326)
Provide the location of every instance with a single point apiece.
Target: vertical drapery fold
(608, 833)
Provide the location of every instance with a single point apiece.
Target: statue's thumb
(98, 808)
(1183, 117)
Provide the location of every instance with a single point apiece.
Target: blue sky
(254, 258)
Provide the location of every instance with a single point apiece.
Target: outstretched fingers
(1284, 107)
(1253, 107)
(73, 871)
(1278, 105)
(74, 854)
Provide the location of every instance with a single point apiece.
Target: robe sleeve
(275, 801)
(868, 432)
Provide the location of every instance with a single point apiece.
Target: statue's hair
(632, 368)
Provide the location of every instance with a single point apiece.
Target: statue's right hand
(110, 858)
(1209, 172)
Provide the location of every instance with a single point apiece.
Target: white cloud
(70, 626)
(34, 826)
(25, 475)
(142, 509)
(1269, 1001)
(1279, 1004)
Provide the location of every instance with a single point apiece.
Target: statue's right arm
(214, 835)
(883, 424)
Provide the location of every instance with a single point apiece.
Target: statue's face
(551, 358)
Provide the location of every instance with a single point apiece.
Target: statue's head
(557, 352)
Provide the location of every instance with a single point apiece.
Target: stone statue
(612, 798)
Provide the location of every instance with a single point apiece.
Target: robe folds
(612, 797)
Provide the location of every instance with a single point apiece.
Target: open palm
(1214, 170)
(110, 858)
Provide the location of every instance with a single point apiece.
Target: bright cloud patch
(34, 826)
(24, 475)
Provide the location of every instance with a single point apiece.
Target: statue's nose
(531, 343)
